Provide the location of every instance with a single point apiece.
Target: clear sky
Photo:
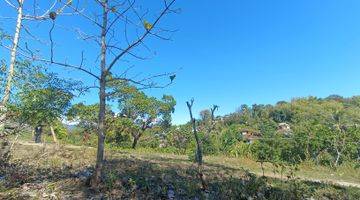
(235, 52)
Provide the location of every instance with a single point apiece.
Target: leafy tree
(85, 115)
(119, 130)
(146, 112)
(43, 107)
(180, 137)
(86, 119)
(42, 100)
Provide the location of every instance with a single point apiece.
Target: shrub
(240, 149)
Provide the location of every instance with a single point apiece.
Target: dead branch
(139, 40)
(198, 155)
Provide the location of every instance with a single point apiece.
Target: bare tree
(105, 69)
(213, 121)
(213, 109)
(198, 154)
(107, 17)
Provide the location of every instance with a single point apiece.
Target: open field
(60, 172)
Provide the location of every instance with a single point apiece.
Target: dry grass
(56, 172)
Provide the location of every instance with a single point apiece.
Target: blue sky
(237, 52)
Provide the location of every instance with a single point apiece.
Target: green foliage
(180, 137)
(42, 98)
(321, 131)
(139, 107)
(119, 131)
(241, 149)
(230, 136)
(60, 130)
(142, 112)
(79, 137)
(43, 106)
(3, 71)
(85, 115)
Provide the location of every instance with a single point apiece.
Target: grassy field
(307, 171)
(61, 172)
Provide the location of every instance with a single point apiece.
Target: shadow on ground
(129, 177)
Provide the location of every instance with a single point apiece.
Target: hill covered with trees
(321, 130)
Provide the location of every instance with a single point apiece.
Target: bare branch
(27, 30)
(132, 54)
(51, 41)
(120, 15)
(10, 4)
(147, 32)
(45, 15)
(81, 13)
(34, 58)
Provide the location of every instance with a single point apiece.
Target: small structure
(284, 128)
(250, 136)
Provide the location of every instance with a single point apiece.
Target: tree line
(321, 130)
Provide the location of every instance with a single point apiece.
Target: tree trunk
(2, 124)
(2, 120)
(96, 179)
(135, 141)
(198, 144)
(338, 155)
(262, 169)
(53, 134)
(4, 153)
(198, 155)
(11, 69)
(38, 133)
(13, 54)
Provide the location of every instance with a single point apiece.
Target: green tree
(85, 115)
(146, 112)
(119, 130)
(42, 100)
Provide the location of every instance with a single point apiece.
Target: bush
(240, 149)
(60, 131)
(180, 137)
(229, 136)
(78, 137)
(325, 159)
(330, 193)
